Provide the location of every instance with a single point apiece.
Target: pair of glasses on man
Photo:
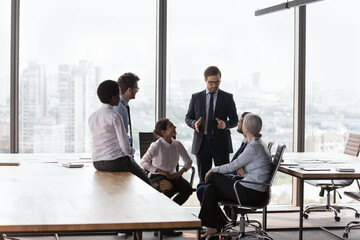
(214, 83)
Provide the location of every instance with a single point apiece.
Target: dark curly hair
(107, 89)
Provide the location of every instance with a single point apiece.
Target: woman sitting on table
(255, 163)
(161, 160)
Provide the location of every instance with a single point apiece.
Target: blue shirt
(121, 109)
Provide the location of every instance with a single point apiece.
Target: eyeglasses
(136, 88)
(214, 83)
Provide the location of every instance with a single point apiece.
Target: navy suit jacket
(225, 109)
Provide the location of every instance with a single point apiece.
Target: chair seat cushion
(354, 195)
(337, 183)
(246, 207)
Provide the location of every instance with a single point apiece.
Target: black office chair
(351, 148)
(352, 224)
(229, 231)
(145, 140)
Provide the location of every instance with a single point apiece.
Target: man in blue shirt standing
(128, 89)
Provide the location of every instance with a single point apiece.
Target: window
(67, 48)
(255, 56)
(333, 93)
(5, 76)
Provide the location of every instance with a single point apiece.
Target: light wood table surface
(46, 197)
(319, 160)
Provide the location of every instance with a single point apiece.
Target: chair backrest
(145, 139)
(275, 165)
(276, 162)
(270, 144)
(352, 144)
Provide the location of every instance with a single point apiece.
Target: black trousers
(208, 152)
(180, 186)
(122, 164)
(220, 188)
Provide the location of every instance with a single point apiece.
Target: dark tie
(210, 119)
(128, 110)
(240, 150)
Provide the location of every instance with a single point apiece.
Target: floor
(275, 220)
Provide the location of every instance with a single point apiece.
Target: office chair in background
(351, 148)
(352, 224)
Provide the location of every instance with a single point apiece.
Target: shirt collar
(123, 101)
(215, 94)
(165, 142)
(106, 105)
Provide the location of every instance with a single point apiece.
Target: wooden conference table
(40, 195)
(295, 162)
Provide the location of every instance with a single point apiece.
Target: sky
(119, 36)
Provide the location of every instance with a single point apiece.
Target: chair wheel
(357, 215)
(306, 216)
(337, 219)
(346, 235)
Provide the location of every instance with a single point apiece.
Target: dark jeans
(122, 164)
(220, 188)
(180, 186)
(208, 152)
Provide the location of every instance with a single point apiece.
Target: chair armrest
(240, 181)
(192, 174)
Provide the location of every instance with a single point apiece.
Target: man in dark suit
(211, 114)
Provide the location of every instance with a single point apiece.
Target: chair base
(235, 235)
(328, 208)
(349, 226)
(230, 233)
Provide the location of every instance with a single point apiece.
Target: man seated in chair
(256, 164)
(161, 160)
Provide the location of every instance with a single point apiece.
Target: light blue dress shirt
(121, 109)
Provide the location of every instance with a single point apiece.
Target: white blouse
(165, 156)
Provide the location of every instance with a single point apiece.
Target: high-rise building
(77, 100)
(32, 103)
(49, 138)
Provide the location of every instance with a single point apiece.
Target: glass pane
(333, 93)
(5, 7)
(255, 56)
(67, 49)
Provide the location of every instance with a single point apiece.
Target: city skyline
(49, 102)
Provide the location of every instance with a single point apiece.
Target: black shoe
(210, 238)
(169, 233)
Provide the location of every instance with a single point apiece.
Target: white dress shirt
(109, 138)
(165, 156)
